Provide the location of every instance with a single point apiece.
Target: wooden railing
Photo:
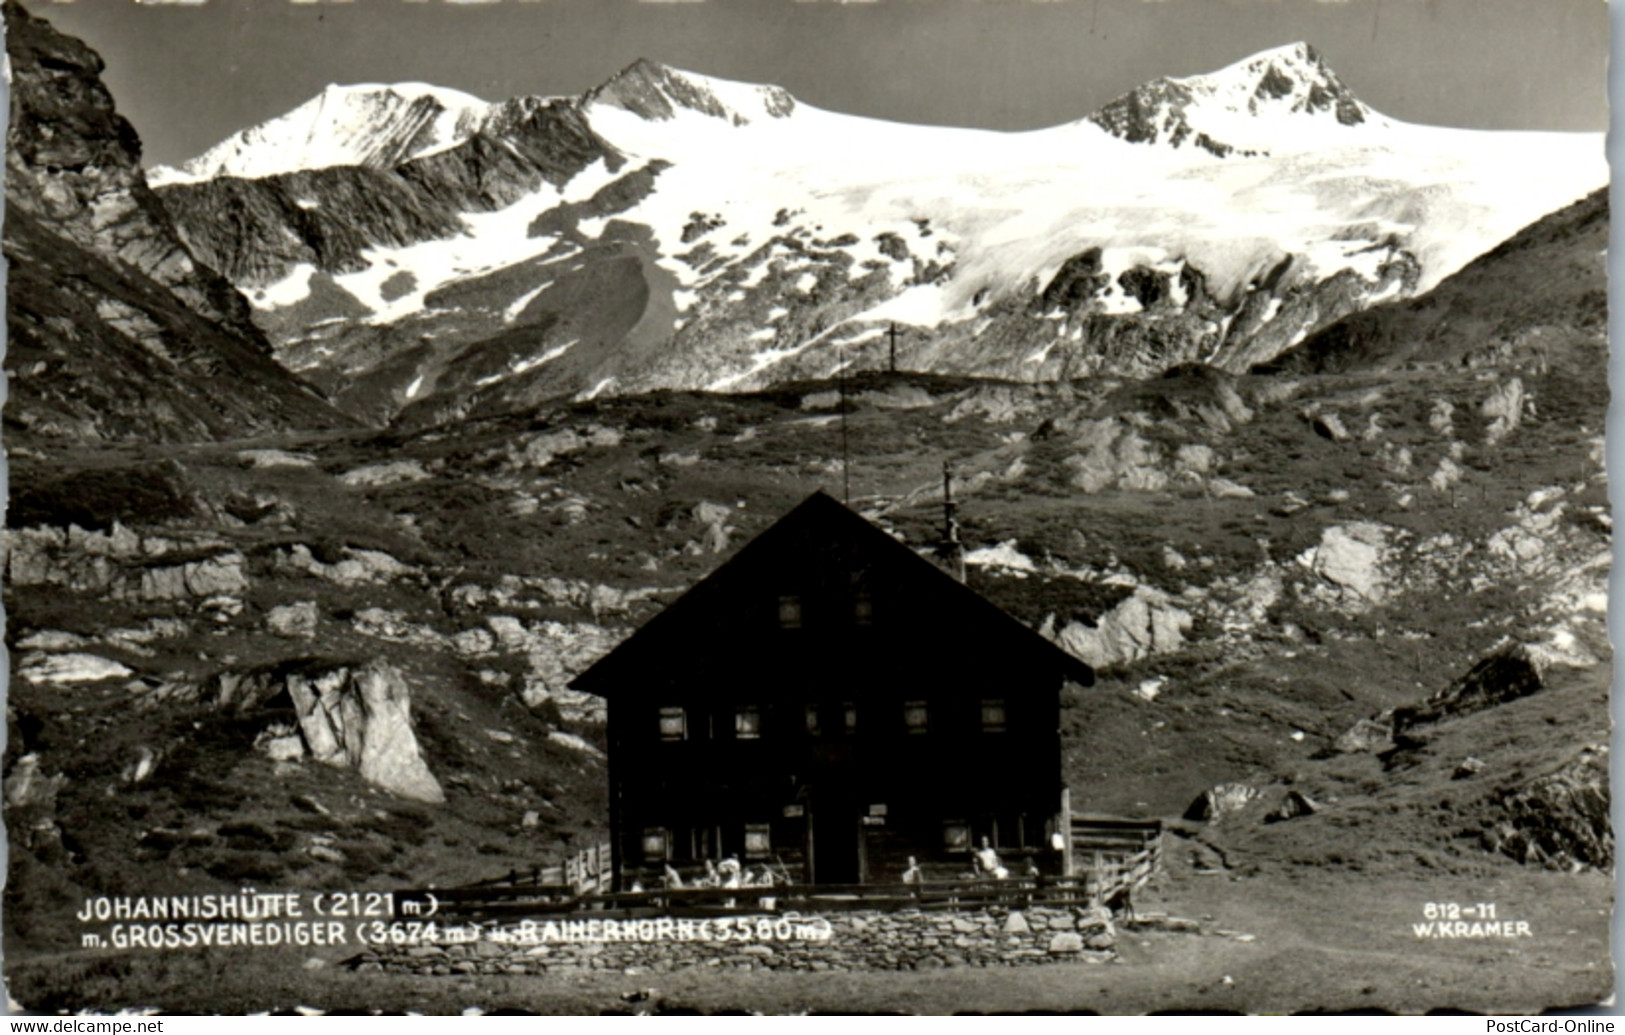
(514, 901)
(1121, 854)
(1110, 858)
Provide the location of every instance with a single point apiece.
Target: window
(915, 716)
(758, 840)
(956, 835)
(993, 715)
(849, 720)
(656, 844)
(747, 722)
(863, 608)
(812, 720)
(789, 612)
(673, 724)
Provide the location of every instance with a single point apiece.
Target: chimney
(950, 552)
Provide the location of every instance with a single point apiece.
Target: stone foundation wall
(867, 940)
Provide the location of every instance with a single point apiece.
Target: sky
(188, 73)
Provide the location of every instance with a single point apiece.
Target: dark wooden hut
(828, 702)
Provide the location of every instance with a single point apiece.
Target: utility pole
(892, 334)
(846, 459)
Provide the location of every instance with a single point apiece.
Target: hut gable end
(825, 588)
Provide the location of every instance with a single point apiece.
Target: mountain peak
(659, 93)
(369, 124)
(1294, 77)
(1258, 105)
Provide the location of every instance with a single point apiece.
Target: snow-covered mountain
(668, 229)
(372, 125)
(1285, 99)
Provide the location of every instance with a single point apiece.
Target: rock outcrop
(1560, 820)
(1145, 623)
(1217, 802)
(351, 717)
(1506, 675)
(1351, 563)
(115, 330)
(122, 565)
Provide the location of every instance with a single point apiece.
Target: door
(837, 844)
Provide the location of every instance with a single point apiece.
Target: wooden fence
(512, 901)
(1121, 855)
(1110, 858)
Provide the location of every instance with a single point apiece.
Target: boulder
(52, 640)
(1225, 489)
(1329, 426)
(70, 668)
(1220, 801)
(289, 748)
(1065, 943)
(296, 621)
(1114, 454)
(1145, 623)
(392, 473)
(1194, 458)
(1015, 923)
(711, 513)
(473, 641)
(1559, 820)
(1351, 559)
(27, 786)
(210, 576)
(1448, 473)
(349, 717)
(1440, 418)
(574, 743)
(362, 719)
(1468, 768)
(141, 766)
(1295, 804)
(1510, 673)
(1503, 408)
(1365, 735)
(355, 567)
(542, 449)
(263, 458)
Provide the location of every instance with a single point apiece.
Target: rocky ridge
(115, 329)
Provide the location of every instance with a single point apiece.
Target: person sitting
(711, 879)
(673, 878)
(913, 875)
(987, 860)
(730, 872)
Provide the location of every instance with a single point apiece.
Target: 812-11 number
(1455, 911)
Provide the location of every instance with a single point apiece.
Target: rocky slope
(114, 329)
(670, 230)
(1368, 590)
(1532, 301)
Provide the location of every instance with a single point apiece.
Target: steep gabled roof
(819, 520)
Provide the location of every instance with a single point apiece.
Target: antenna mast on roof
(950, 553)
